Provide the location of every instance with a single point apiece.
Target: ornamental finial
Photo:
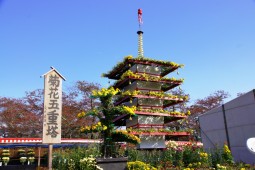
(140, 34)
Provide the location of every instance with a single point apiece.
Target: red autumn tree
(23, 117)
(16, 119)
(76, 100)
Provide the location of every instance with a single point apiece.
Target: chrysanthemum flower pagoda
(145, 88)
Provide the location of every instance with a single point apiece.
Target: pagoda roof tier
(168, 101)
(161, 133)
(169, 118)
(166, 84)
(129, 61)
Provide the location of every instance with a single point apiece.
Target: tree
(208, 103)
(76, 100)
(23, 117)
(16, 119)
(106, 112)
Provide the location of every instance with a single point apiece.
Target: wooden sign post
(52, 110)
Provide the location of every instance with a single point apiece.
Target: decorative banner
(52, 107)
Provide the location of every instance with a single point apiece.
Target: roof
(53, 69)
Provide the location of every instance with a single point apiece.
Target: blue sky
(214, 39)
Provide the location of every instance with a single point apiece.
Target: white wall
(240, 126)
(152, 142)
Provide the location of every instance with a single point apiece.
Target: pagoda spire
(140, 34)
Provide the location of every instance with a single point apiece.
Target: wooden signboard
(52, 107)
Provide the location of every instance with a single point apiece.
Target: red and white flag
(140, 19)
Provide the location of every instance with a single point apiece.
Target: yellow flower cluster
(129, 110)
(82, 114)
(130, 93)
(93, 112)
(128, 135)
(172, 144)
(138, 165)
(152, 93)
(226, 149)
(105, 92)
(188, 113)
(203, 155)
(221, 167)
(93, 128)
(188, 169)
(147, 77)
(128, 57)
(163, 111)
(195, 165)
(129, 73)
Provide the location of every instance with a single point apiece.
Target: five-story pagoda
(144, 87)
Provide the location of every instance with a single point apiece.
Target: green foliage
(226, 155)
(152, 157)
(70, 158)
(216, 156)
(196, 157)
(167, 158)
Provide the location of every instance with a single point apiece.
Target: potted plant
(30, 154)
(6, 156)
(22, 155)
(5, 160)
(105, 113)
(23, 159)
(21, 152)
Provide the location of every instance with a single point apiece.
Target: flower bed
(175, 157)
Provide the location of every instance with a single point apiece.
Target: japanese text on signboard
(53, 106)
